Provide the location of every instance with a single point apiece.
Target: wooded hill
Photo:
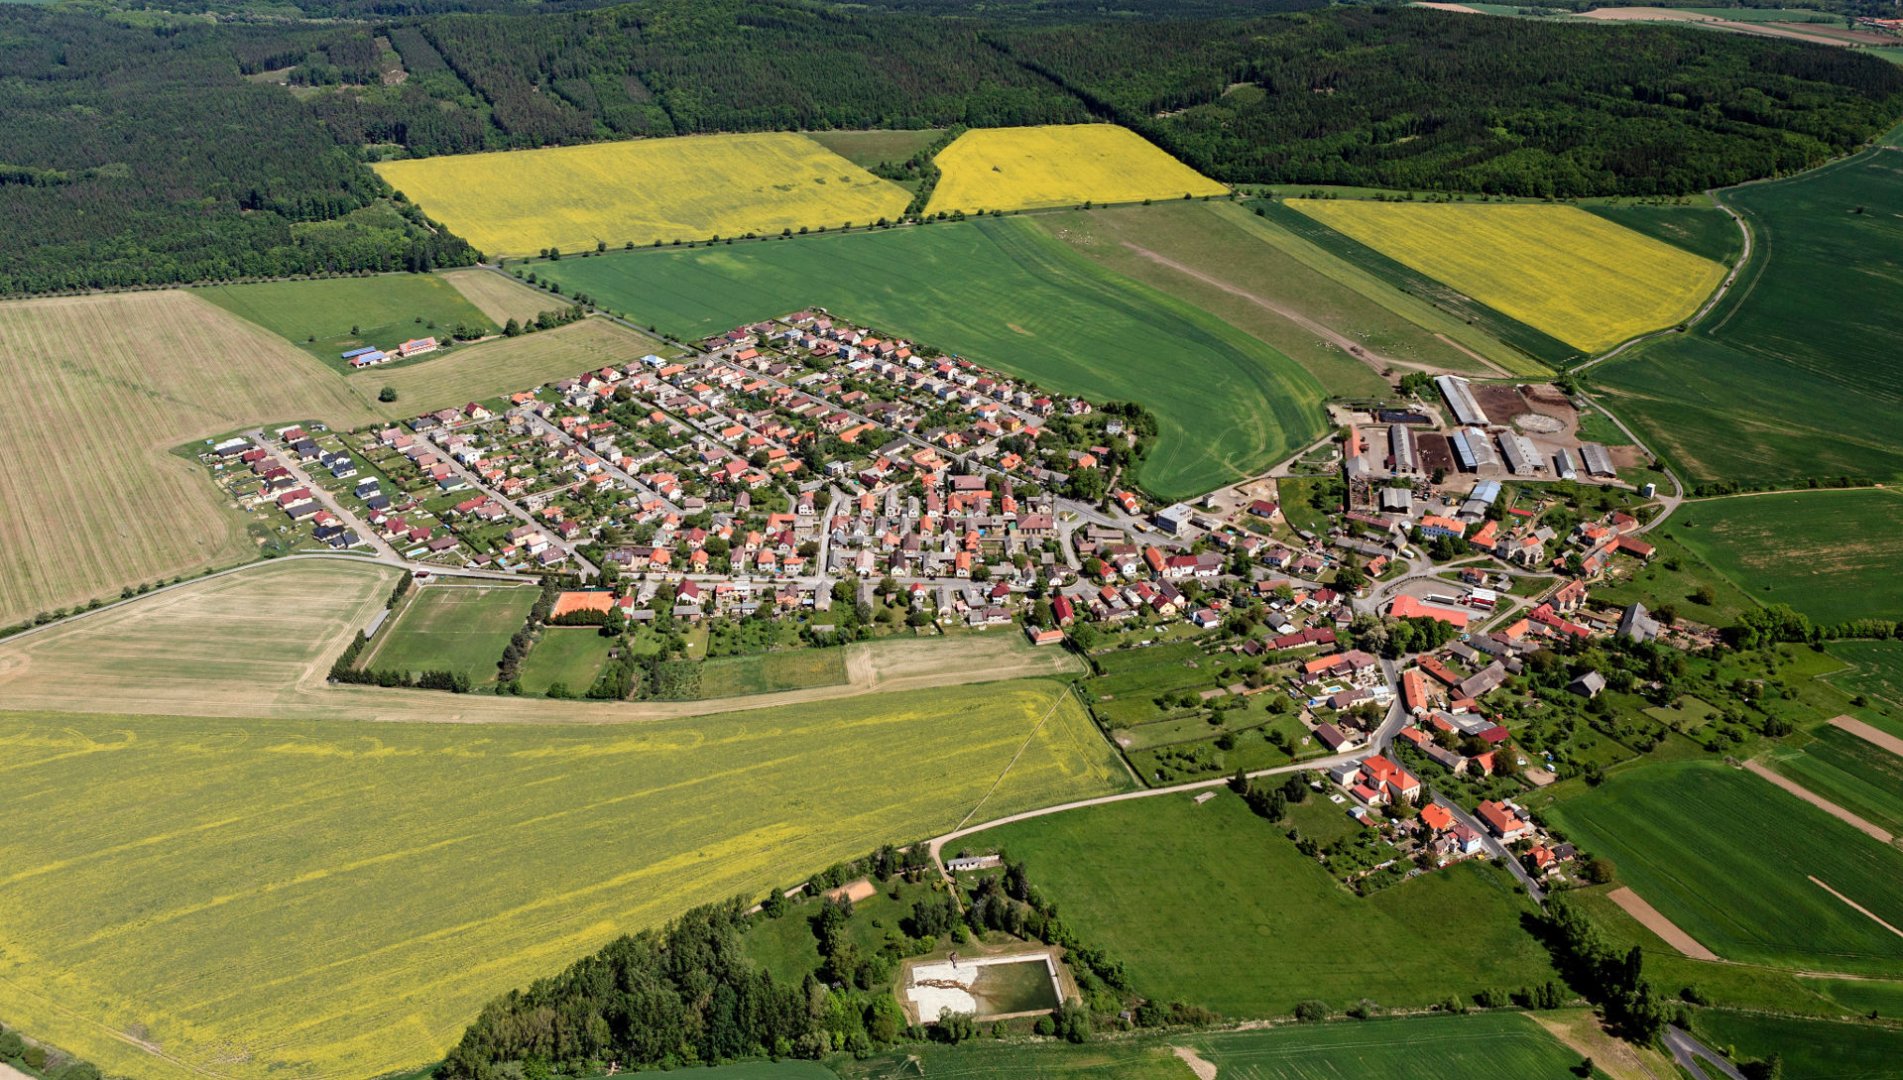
(144, 150)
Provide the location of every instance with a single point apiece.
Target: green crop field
(1812, 1049)
(1877, 674)
(1213, 255)
(1701, 230)
(765, 673)
(1780, 383)
(273, 898)
(1850, 771)
(868, 148)
(452, 628)
(570, 655)
(1730, 858)
(1833, 555)
(1267, 927)
(1007, 295)
(329, 316)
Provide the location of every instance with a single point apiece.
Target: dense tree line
(137, 156)
(1412, 98)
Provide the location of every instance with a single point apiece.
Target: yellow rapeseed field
(521, 201)
(1059, 165)
(1572, 275)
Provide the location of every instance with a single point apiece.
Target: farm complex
(811, 541)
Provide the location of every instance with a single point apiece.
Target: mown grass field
(270, 898)
(573, 197)
(500, 298)
(1812, 1049)
(1213, 255)
(1833, 555)
(451, 628)
(1728, 857)
(571, 655)
(1007, 295)
(1851, 772)
(320, 315)
(1562, 271)
(1212, 905)
(100, 390)
(765, 673)
(1024, 168)
(1786, 379)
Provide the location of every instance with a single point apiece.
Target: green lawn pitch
(1005, 294)
(1728, 858)
(1788, 378)
(318, 315)
(452, 628)
(1212, 905)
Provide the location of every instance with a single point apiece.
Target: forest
(190, 165)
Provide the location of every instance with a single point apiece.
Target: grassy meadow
(765, 673)
(521, 201)
(499, 297)
(1812, 1049)
(501, 366)
(452, 628)
(1876, 674)
(329, 316)
(1729, 858)
(573, 656)
(1567, 273)
(1024, 168)
(1833, 555)
(271, 898)
(1786, 380)
(1007, 295)
(1270, 927)
(1213, 255)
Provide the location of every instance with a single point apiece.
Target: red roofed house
(1502, 822)
(1436, 817)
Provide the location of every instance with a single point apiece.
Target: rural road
(1694, 1057)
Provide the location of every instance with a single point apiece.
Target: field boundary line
(1654, 920)
(1869, 733)
(1859, 908)
(1862, 825)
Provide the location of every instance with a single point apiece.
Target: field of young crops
(1787, 379)
(285, 899)
(573, 197)
(1558, 269)
(1729, 858)
(1024, 168)
(1833, 555)
(1007, 295)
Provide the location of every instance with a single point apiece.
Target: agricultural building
(1460, 398)
(1563, 466)
(1598, 462)
(1401, 448)
(1522, 458)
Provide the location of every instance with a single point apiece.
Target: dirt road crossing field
(1652, 919)
(1874, 735)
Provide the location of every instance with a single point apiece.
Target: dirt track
(1653, 920)
(1869, 829)
(1874, 735)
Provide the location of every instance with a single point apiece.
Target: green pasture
(1786, 379)
(1833, 555)
(765, 673)
(1007, 295)
(452, 628)
(1729, 858)
(1212, 905)
(318, 315)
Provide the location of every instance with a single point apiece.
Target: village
(786, 465)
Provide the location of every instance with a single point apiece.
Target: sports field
(1023, 168)
(1562, 271)
(100, 390)
(1833, 555)
(570, 655)
(1785, 379)
(690, 188)
(329, 316)
(269, 898)
(1215, 256)
(451, 627)
(1729, 858)
(1008, 295)
(1271, 927)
